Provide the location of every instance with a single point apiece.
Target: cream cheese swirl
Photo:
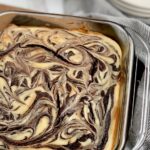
(56, 88)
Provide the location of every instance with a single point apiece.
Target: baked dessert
(59, 89)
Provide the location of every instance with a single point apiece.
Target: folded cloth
(139, 30)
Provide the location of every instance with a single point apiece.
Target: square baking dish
(107, 28)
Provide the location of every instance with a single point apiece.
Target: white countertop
(52, 6)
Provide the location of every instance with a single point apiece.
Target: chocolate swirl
(56, 88)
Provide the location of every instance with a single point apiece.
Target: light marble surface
(78, 6)
(52, 6)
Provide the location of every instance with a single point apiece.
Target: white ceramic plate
(133, 7)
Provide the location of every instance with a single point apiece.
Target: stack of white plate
(139, 8)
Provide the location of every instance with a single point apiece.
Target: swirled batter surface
(56, 88)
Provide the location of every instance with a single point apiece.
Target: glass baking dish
(107, 28)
